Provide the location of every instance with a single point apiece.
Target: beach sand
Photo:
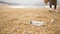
(17, 20)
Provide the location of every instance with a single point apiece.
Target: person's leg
(55, 6)
(50, 8)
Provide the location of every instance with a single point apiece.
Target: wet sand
(17, 20)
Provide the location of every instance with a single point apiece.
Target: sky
(29, 2)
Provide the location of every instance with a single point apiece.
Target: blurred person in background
(51, 3)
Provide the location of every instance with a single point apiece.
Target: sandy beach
(17, 20)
